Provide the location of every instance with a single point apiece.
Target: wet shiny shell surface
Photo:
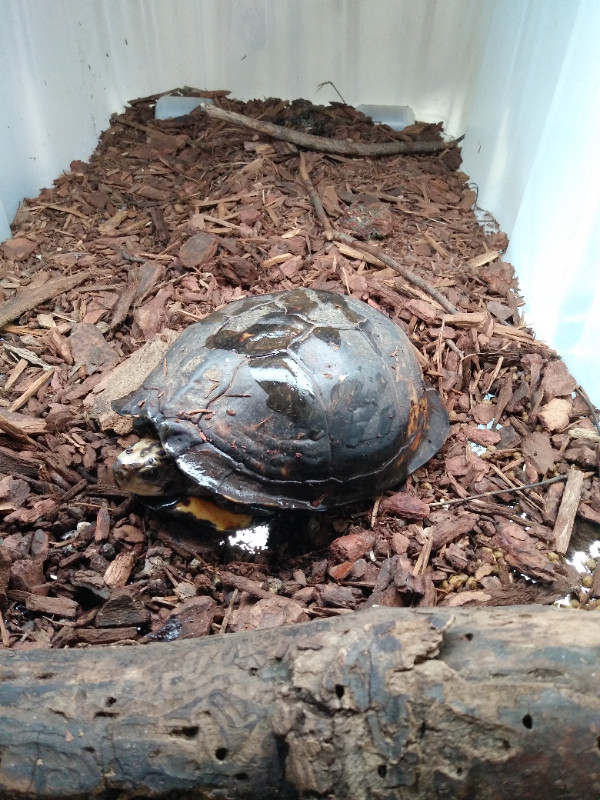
(298, 399)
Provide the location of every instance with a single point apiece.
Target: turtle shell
(300, 399)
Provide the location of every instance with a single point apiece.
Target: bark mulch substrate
(172, 219)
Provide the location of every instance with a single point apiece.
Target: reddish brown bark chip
(121, 610)
(268, 613)
(19, 248)
(521, 553)
(198, 249)
(404, 505)
(538, 449)
(557, 380)
(193, 618)
(351, 546)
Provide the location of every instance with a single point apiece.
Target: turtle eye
(151, 473)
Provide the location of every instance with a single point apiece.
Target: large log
(386, 703)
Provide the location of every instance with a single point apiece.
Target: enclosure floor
(172, 219)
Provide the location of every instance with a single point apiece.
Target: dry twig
(321, 143)
(315, 199)
(405, 273)
(498, 491)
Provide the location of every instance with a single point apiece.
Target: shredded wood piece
(563, 527)
(323, 144)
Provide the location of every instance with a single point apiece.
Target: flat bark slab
(385, 703)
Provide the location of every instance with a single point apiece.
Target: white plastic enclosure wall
(520, 78)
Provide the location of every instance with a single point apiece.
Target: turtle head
(145, 469)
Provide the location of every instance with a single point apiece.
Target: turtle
(302, 399)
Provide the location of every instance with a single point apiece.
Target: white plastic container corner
(397, 117)
(172, 105)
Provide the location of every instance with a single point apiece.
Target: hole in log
(241, 776)
(382, 770)
(186, 731)
(339, 690)
(106, 714)
(221, 753)
(110, 701)
(528, 721)
(44, 676)
(469, 637)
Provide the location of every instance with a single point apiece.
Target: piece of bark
(122, 610)
(100, 636)
(521, 553)
(384, 592)
(190, 620)
(472, 319)
(253, 588)
(27, 299)
(27, 574)
(538, 449)
(270, 612)
(19, 248)
(557, 380)
(555, 415)
(5, 565)
(336, 708)
(449, 526)
(563, 527)
(352, 546)
(61, 606)
(124, 378)
(11, 421)
(119, 570)
(198, 249)
(404, 505)
(123, 304)
(90, 349)
(13, 493)
(340, 572)
(589, 514)
(334, 596)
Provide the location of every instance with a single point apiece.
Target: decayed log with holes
(386, 703)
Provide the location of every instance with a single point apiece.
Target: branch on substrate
(487, 703)
(322, 144)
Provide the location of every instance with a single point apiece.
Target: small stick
(498, 491)
(320, 143)
(375, 511)
(406, 274)
(229, 613)
(515, 487)
(423, 559)
(35, 386)
(315, 199)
